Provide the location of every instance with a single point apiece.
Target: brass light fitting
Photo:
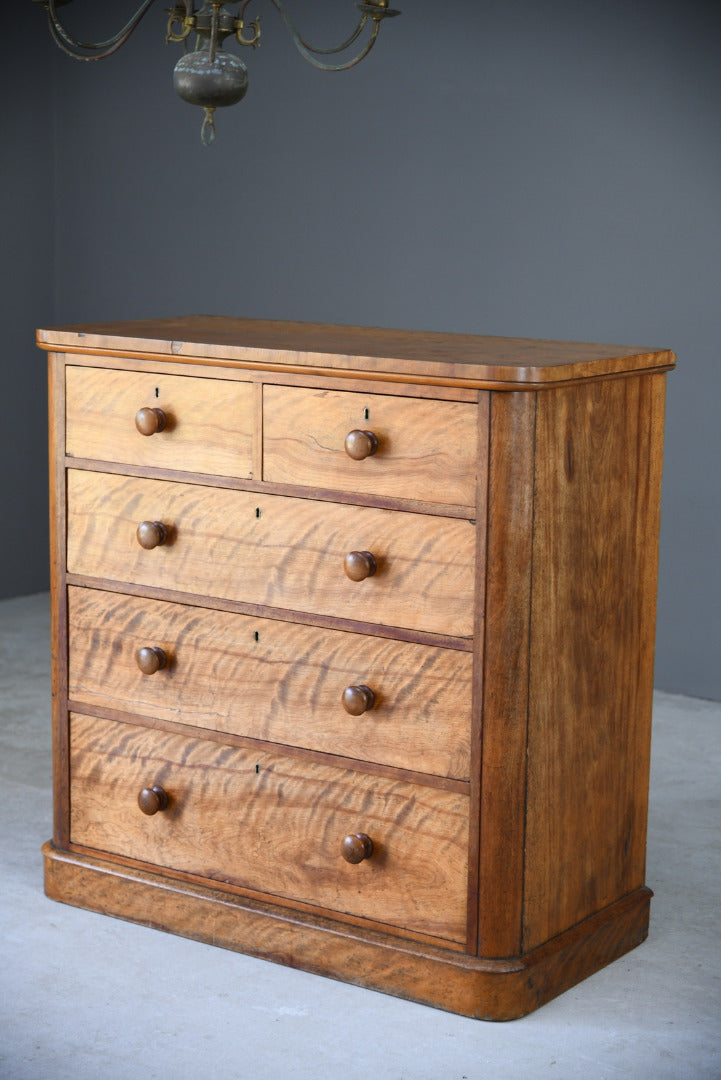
(207, 75)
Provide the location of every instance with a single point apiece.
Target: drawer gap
(396, 633)
(410, 506)
(226, 738)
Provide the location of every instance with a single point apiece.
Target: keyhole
(257, 511)
(367, 414)
(257, 636)
(157, 391)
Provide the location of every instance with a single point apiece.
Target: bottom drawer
(273, 824)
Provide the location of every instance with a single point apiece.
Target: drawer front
(273, 824)
(208, 430)
(275, 551)
(273, 680)
(426, 450)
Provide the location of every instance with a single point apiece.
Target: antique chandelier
(207, 75)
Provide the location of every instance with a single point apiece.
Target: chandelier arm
(348, 63)
(304, 47)
(85, 56)
(73, 47)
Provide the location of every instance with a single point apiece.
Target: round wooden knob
(153, 799)
(359, 565)
(356, 847)
(360, 444)
(151, 659)
(150, 421)
(358, 699)
(151, 534)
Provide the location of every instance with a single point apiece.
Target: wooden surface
(426, 449)
(277, 551)
(499, 767)
(273, 825)
(465, 358)
(595, 549)
(58, 597)
(210, 421)
(505, 673)
(275, 681)
(477, 685)
(476, 987)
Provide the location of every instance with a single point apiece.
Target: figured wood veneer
(256, 820)
(277, 681)
(209, 422)
(273, 550)
(426, 449)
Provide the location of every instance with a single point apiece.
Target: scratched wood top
(459, 359)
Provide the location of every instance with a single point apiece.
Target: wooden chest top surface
(458, 359)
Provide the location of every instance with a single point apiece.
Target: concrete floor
(84, 997)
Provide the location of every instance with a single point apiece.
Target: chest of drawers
(353, 647)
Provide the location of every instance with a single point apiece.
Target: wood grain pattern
(258, 820)
(426, 449)
(466, 358)
(443, 783)
(386, 502)
(58, 597)
(275, 551)
(476, 987)
(217, 368)
(274, 681)
(239, 607)
(595, 546)
(477, 683)
(209, 429)
(505, 673)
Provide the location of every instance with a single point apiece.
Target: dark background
(511, 167)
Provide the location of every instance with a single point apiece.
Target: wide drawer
(273, 824)
(275, 551)
(209, 422)
(426, 450)
(273, 680)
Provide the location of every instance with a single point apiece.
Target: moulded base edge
(485, 989)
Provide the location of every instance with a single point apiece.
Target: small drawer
(277, 681)
(415, 449)
(275, 551)
(208, 422)
(272, 824)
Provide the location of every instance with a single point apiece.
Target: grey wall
(26, 275)
(505, 168)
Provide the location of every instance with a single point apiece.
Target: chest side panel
(595, 550)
